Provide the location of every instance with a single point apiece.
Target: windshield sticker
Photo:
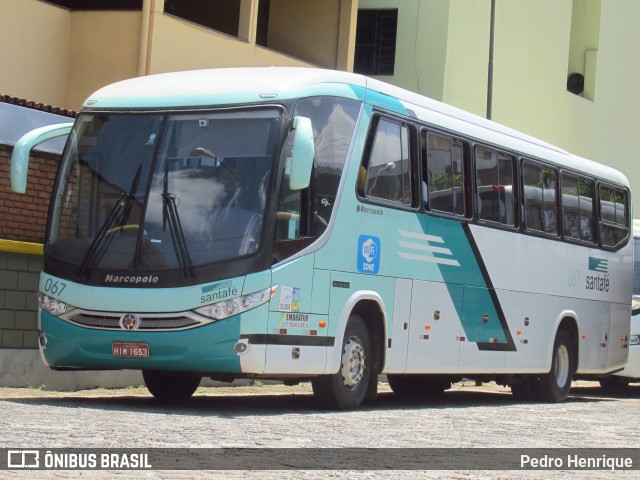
(368, 254)
(289, 299)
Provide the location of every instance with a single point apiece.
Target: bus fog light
(241, 347)
(634, 340)
(43, 340)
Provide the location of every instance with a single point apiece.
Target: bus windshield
(163, 191)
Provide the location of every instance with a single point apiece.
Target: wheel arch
(371, 308)
(568, 321)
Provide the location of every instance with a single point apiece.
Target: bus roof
(202, 88)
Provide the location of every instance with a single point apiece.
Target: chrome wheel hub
(562, 366)
(353, 363)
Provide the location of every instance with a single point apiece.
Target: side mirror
(302, 153)
(20, 155)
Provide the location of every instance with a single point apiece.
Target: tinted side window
(539, 197)
(443, 173)
(388, 166)
(577, 207)
(613, 216)
(333, 120)
(494, 186)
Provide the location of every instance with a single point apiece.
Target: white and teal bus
(313, 225)
(618, 382)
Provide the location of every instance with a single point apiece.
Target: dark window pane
(375, 51)
(540, 204)
(613, 216)
(494, 177)
(388, 174)
(577, 207)
(220, 15)
(443, 174)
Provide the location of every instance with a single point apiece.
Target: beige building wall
(56, 56)
(467, 56)
(103, 49)
(421, 44)
(299, 27)
(34, 51)
(178, 45)
(532, 55)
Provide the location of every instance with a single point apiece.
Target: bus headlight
(227, 308)
(634, 339)
(635, 306)
(53, 306)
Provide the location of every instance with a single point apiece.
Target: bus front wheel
(346, 389)
(554, 386)
(170, 388)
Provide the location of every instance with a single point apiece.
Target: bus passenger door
(399, 335)
(435, 328)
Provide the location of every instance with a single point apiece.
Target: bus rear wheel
(170, 388)
(346, 389)
(418, 386)
(554, 386)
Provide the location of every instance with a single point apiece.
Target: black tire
(418, 386)
(554, 386)
(346, 389)
(614, 384)
(170, 388)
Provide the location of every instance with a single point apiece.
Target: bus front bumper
(205, 349)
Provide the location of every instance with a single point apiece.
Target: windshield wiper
(119, 213)
(170, 215)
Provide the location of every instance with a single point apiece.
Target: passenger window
(577, 207)
(540, 184)
(613, 216)
(494, 186)
(443, 174)
(334, 121)
(388, 170)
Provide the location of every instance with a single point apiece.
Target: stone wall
(19, 276)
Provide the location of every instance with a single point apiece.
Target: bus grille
(111, 321)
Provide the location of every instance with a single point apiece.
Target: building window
(220, 15)
(375, 52)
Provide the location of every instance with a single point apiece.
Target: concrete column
(150, 8)
(248, 20)
(347, 35)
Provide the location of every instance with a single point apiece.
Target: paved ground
(279, 416)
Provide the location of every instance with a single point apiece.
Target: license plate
(131, 350)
